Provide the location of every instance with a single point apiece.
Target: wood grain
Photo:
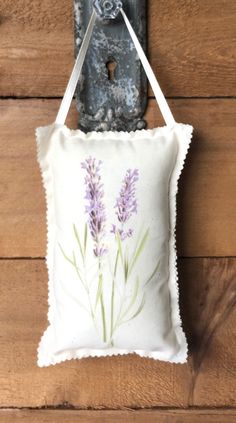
(192, 49)
(207, 289)
(191, 45)
(207, 201)
(140, 416)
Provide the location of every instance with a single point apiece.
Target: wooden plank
(192, 47)
(36, 47)
(132, 416)
(207, 289)
(207, 201)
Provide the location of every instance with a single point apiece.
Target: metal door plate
(112, 90)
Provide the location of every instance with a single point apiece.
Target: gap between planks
(227, 97)
(179, 258)
(71, 407)
(117, 416)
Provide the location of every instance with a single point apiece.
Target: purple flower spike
(95, 207)
(126, 203)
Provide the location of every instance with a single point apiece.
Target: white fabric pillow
(111, 257)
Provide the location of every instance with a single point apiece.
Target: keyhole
(111, 66)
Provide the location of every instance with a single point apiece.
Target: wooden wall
(192, 50)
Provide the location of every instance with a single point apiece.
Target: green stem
(104, 330)
(117, 323)
(103, 319)
(113, 297)
(91, 307)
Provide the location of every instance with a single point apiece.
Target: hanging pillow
(111, 216)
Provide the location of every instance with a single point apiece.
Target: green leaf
(78, 302)
(138, 310)
(85, 237)
(77, 268)
(133, 300)
(119, 243)
(65, 256)
(153, 273)
(78, 240)
(126, 269)
(99, 290)
(139, 250)
(116, 264)
(138, 239)
(73, 263)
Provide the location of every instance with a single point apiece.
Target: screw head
(107, 9)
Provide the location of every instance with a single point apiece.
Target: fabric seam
(47, 179)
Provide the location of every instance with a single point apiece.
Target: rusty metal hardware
(107, 9)
(112, 90)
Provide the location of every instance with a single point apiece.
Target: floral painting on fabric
(96, 231)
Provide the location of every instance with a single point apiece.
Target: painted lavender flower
(95, 207)
(96, 222)
(126, 203)
(131, 293)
